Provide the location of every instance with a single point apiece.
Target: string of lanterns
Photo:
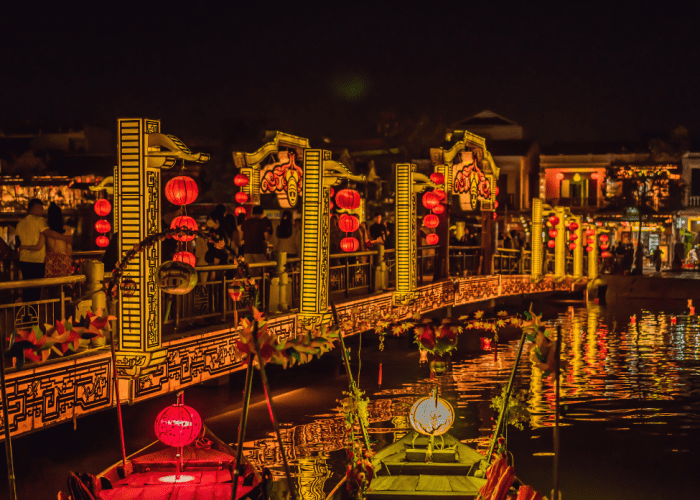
(182, 191)
(431, 200)
(102, 208)
(348, 199)
(241, 180)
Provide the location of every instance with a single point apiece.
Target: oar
(244, 420)
(273, 413)
(555, 468)
(6, 426)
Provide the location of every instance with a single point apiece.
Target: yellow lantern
(432, 416)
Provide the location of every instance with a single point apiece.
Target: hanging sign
(283, 178)
(471, 183)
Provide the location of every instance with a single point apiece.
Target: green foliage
(516, 413)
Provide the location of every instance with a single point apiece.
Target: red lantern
(439, 209)
(437, 178)
(186, 257)
(235, 293)
(591, 241)
(241, 180)
(431, 221)
(185, 222)
(559, 176)
(103, 207)
(495, 205)
(599, 224)
(495, 216)
(604, 237)
(573, 236)
(103, 226)
(573, 226)
(331, 206)
(590, 232)
(440, 194)
(589, 248)
(178, 425)
(432, 239)
(332, 192)
(241, 197)
(605, 254)
(497, 190)
(348, 223)
(349, 244)
(181, 190)
(604, 246)
(554, 220)
(551, 243)
(102, 241)
(430, 200)
(553, 233)
(572, 246)
(238, 211)
(347, 199)
(595, 176)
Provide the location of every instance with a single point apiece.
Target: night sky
(566, 73)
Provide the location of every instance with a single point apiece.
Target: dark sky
(566, 73)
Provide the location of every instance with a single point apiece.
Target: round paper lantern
(551, 243)
(589, 248)
(178, 425)
(440, 194)
(241, 197)
(103, 207)
(347, 199)
(572, 246)
(238, 211)
(332, 192)
(595, 176)
(439, 209)
(331, 206)
(553, 233)
(181, 190)
(573, 236)
(559, 176)
(186, 222)
(437, 178)
(102, 241)
(431, 221)
(431, 417)
(573, 226)
(495, 205)
(605, 254)
(241, 180)
(604, 237)
(348, 223)
(497, 190)
(177, 278)
(186, 257)
(604, 246)
(103, 226)
(591, 241)
(432, 239)
(349, 244)
(430, 200)
(554, 220)
(495, 216)
(590, 232)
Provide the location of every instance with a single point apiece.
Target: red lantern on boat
(553, 233)
(238, 211)
(604, 238)
(103, 226)
(573, 226)
(102, 241)
(241, 197)
(184, 222)
(241, 180)
(437, 178)
(186, 257)
(572, 246)
(551, 243)
(439, 209)
(348, 223)
(430, 200)
(178, 425)
(181, 190)
(589, 248)
(103, 207)
(432, 239)
(347, 199)
(431, 221)
(554, 220)
(349, 244)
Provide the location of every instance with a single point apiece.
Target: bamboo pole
(556, 494)
(6, 428)
(244, 420)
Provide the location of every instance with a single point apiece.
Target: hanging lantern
(184, 222)
(186, 257)
(349, 244)
(572, 246)
(559, 176)
(178, 425)
(181, 190)
(591, 241)
(431, 416)
(553, 233)
(332, 192)
(177, 278)
(239, 210)
(497, 190)
(595, 176)
(605, 254)
(103, 207)
(241, 180)
(599, 224)
(573, 236)
(604, 237)
(495, 216)
(440, 194)
(331, 206)
(432, 239)
(241, 197)
(554, 220)
(495, 204)
(573, 226)
(439, 209)
(551, 243)
(437, 178)
(103, 226)
(590, 232)
(604, 246)
(102, 241)
(431, 221)
(430, 200)
(589, 248)
(348, 223)
(347, 199)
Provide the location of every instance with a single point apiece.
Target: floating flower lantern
(432, 239)
(431, 221)
(181, 190)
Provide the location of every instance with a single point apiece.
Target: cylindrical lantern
(432, 239)
(102, 241)
(178, 425)
(241, 180)
(347, 199)
(431, 221)
(241, 197)
(573, 226)
(437, 178)
(430, 200)
(239, 210)
(103, 226)
(604, 237)
(554, 220)
(349, 244)
(186, 222)
(553, 233)
(348, 223)
(589, 248)
(103, 207)
(572, 246)
(186, 257)
(551, 243)
(439, 209)
(181, 190)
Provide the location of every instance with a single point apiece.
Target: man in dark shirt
(378, 231)
(255, 236)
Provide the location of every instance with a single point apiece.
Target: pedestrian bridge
(199, 335)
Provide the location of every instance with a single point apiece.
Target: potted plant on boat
(439, 342)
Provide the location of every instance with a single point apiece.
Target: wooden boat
(402, 470)
(151, 473)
